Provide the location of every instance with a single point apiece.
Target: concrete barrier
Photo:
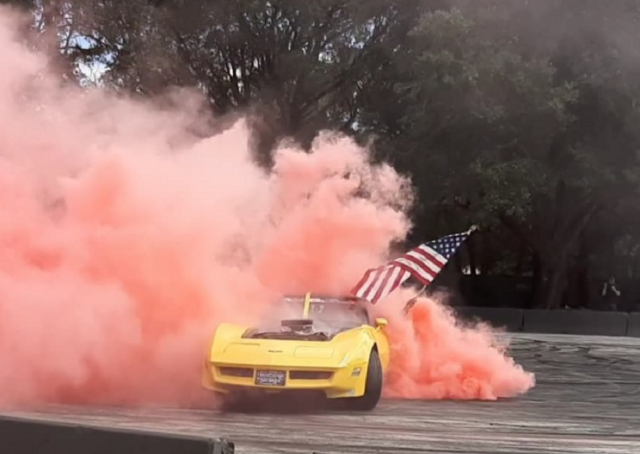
(633, 328)
(575, 322)
(510, 319)
(28, 436)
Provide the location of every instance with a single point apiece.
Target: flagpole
(412, 302)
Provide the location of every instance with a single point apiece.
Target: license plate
(270, 377)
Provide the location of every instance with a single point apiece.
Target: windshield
(329, 311)
(329, 316)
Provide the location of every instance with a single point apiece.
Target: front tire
(235, 402)
(373, 386)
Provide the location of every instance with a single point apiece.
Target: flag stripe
(431, 255)
(415, 269)
(366, 282)
(364, 279)
(388, 284)
(433, 266)
(405, 275)
(428, 267)
(380, 278)
(377, 283)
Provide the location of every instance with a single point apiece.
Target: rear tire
(372, 388)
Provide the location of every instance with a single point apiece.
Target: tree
(506, 137)
(295, 67)
(532, 135)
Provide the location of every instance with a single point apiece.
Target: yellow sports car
(326, 344)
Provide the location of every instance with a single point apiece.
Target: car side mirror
(381, 322)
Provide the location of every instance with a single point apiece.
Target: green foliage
(520, 116)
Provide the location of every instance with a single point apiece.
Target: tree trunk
(522, 258)
(537, 280)
(553, 244)
(583, 274)
(577, 294)
(551, 285)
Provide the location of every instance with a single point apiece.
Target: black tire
(373, 386)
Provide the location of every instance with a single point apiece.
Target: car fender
(223, 335)
(360, 343)
(384, 350)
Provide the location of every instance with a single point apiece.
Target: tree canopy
(521, 117)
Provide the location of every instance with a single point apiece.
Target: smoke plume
(125, 239)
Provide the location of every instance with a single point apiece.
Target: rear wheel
(373, 386)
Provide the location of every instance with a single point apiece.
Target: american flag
(422, 263)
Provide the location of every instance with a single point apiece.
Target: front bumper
(335, 383)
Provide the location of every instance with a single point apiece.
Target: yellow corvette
(326, 344)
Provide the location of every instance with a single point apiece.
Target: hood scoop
(293, 329)
(298, 324)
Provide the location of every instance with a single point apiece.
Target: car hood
(316, 334)
(289, 350)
